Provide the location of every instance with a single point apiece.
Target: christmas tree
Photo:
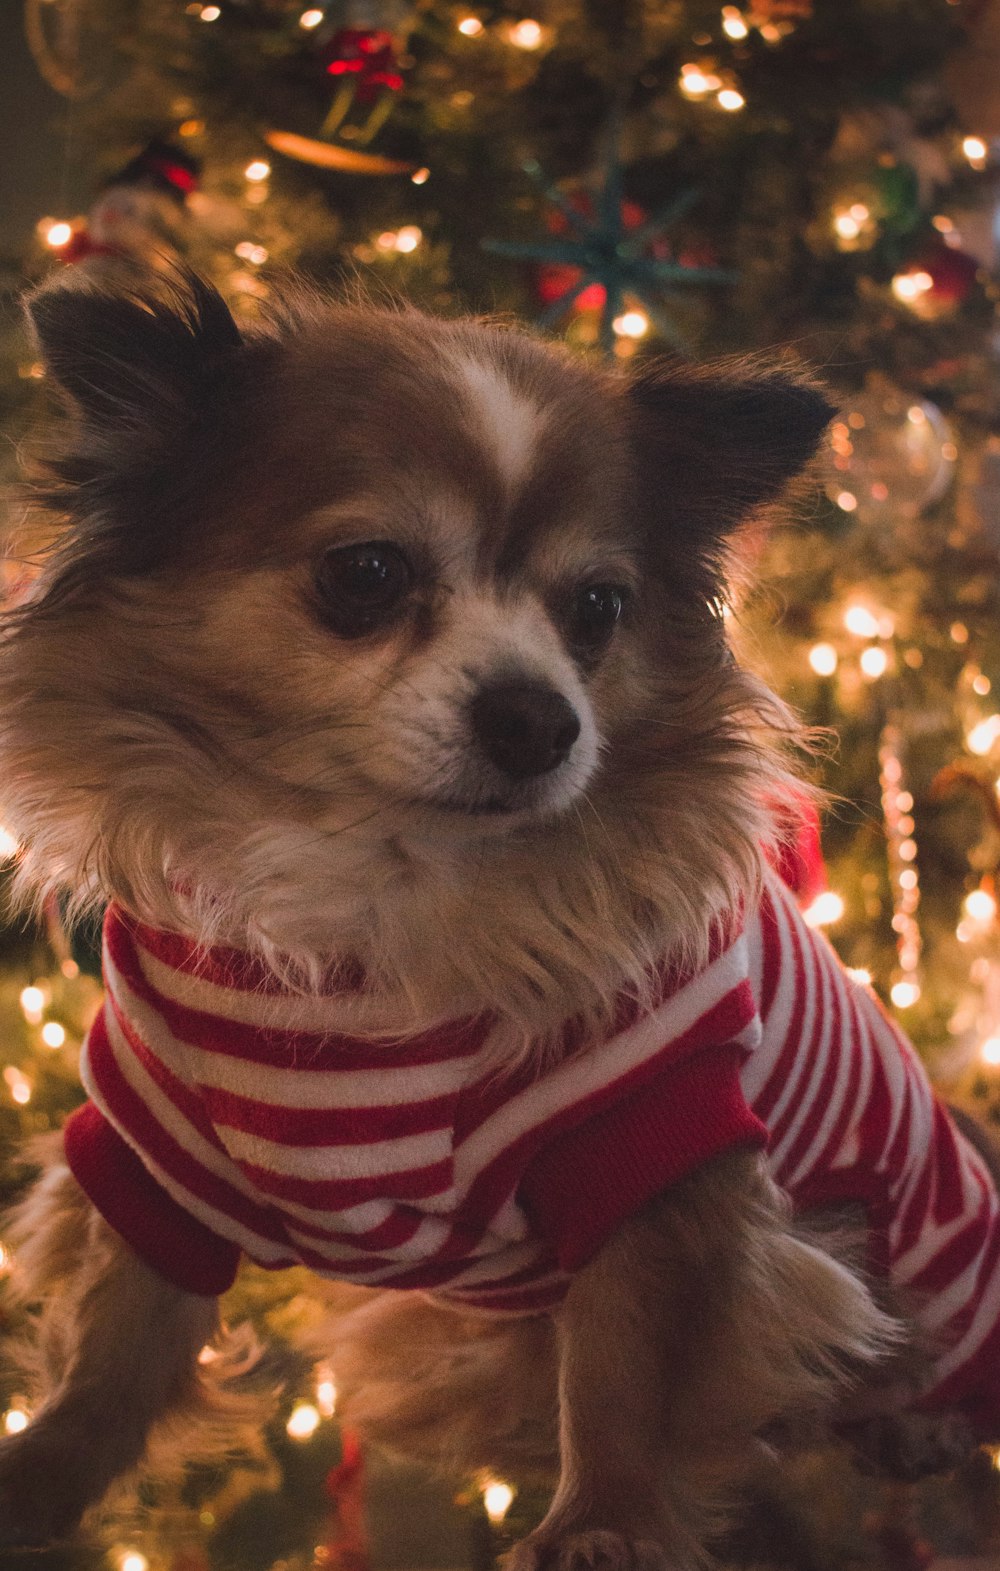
(637, 177)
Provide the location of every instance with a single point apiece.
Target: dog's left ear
(713, 443)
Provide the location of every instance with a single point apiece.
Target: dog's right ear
(135, 365)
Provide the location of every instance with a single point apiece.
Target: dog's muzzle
(526, 729)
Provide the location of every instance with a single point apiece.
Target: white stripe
(378, 1159)
(602, 1065)
(262, 1249)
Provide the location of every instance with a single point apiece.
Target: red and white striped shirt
(227, 1115)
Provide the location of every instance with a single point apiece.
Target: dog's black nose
(525, 728)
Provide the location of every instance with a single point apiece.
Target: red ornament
(347, 1548)
(954, 274)
(366, 58)
(553, 279)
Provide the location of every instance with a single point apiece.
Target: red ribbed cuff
(161, 1232)
(585, 1183)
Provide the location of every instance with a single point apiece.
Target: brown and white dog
(371, 645)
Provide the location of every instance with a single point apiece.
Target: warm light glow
(208, 1354)
(904, 994)
(386, 241)
(326, 1395)
(910, 286)
(990, 1054)
(14, 1420)
(471, 26)
(526, 34)
(860, 975)
(497, 1498)
(847, 501)
(982, 736)
(823, 659)
(847, 226)
(210, 13)
(132, 1560)
(58, 234)
(861, 622)
(980, 905)
(975, 149)
(825, 909)
(258, 170)
(908, 878)
(311, 18)
(695, 83)
(32, 1003)
(53, 1034)
(303, 1421)
(733, 24)
(631, 324)
(408, 238)
(420, 176)
(981, 684)
(257, 254)
(730, 99)
(873, 662)
(8, 844)
(959, 633)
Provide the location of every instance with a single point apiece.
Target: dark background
(36, 135)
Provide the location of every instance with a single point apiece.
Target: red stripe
(339, 1194)
(321, 1127)
(829, 1023)
(776, 962)
(132, 1117)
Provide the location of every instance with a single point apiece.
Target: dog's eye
(361, 587)
(595, 610)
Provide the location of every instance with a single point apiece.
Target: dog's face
(364, 596)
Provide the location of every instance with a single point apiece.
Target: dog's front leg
(115, 1350)
(702, 1320)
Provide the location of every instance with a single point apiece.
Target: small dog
(379, 678)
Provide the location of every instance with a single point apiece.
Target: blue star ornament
(612, 255)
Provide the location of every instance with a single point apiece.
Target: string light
(258, 170)
(18, 1084)
(326, 1393)
(133, 1560)
(420, 176)
(58, 234)
(874, 662)
(975, 150)
(847, 501)
(303, 1421)
(909, 287)
(408, 238)
(860, 975)
(980, 906)
(824, 659)
(990, 1054)
(32, 1002)
(904, 880)
(526, 34)
(696, 83)
(53, 1034)
(981, 738)
(311, 18)
(730, 100)
(15, 1420)
(826, 909)
(210, 13)
(862, 622)
(733, 24)
(471, 26)
(497, 1499)
(631, 324)
(257, 254)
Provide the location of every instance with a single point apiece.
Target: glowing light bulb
(311, 18)
(526, 35)
(823, 659)
(210, 13)
(326, 1395)
(258, 170)
(904, 994)
(14, 1420)
(631, 324)
(980, 905)
(827, 908)
(990, 1054)
(132, 1560)
(982, 736)
(58, 235)
(32, 1004)
(408, 238)
(420, 176)
(729, 99)
(695, 83)
(908, 287)
(8, 843)
(860, 974)
(303, 1421)
(53, 1034)
(497, 1498)
(248, 252)
(847, 226)
(975, 149)
(861, 622)
(847, 501)
(873, 662)
(733, 24)
(471, 26)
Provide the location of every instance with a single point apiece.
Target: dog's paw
(910, 1446)
(593, 1549)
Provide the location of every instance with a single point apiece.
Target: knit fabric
(228, 1116)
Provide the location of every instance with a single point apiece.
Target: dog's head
(376, 634)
